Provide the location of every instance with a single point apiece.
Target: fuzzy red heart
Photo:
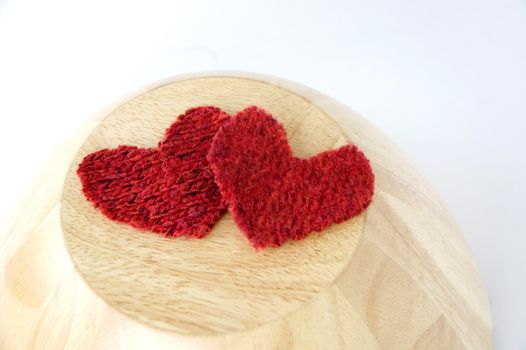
(169, 189)
(275, 196)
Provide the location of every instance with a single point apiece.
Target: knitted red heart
(275, 196)
(168, 189)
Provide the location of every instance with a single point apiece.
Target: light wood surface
(400, 276)
(218, 284)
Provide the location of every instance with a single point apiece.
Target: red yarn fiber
(275, 196)
(168, 189)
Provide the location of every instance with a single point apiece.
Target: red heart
(168, 189)
(275, 196)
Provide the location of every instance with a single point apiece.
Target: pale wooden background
(411, 282)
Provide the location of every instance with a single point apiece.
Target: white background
(446, 80)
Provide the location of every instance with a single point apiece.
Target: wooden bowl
(398, 276)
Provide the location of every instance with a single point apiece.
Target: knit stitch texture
(169, 189)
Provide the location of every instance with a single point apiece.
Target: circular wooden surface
(218, 284)
(411, 283)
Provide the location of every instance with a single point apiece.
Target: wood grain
(400, 276)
